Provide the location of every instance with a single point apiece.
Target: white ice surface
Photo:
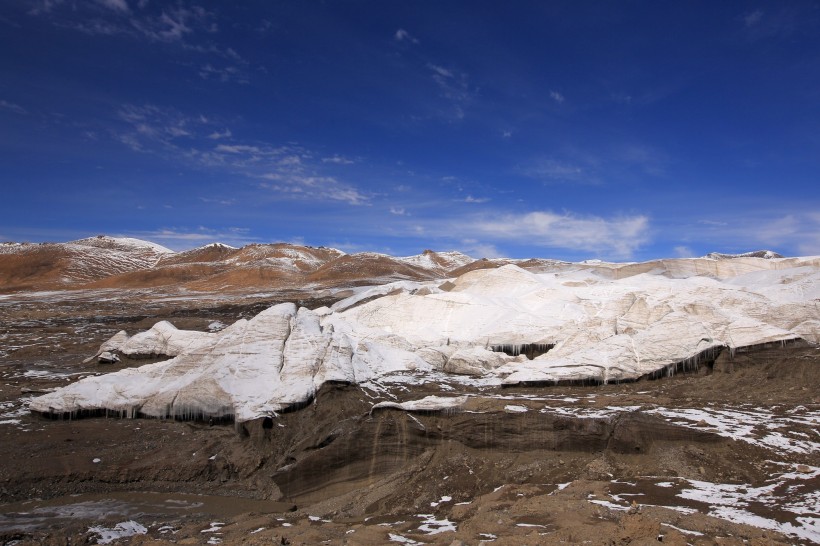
(608, 322)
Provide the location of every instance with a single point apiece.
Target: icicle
(530, 350)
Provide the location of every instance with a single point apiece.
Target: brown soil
(335, 472)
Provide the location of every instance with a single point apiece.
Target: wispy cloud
(753, 18)
(183, 238)
(175, 23)
(218, 135)
(557, 97)
(788, 229)
(779, 20)
(398, 211)
(44, 6)
(171, 23)
(148, 126)
(454, 86)
(218, 201)
(618, 237)
(471, 199)
(490, 232)
(682, 251)
(478, 250)
(289, 171)
(618, 161)
(12, 107)
(338, 160)
(402, 35)
(294, 184)
(185, 25)
(224, 74)
(116, 5)
(555, 171)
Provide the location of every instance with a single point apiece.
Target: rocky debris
(107, 357)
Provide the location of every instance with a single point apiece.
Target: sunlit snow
(607, 323)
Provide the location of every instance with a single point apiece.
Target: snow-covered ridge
(217, 246)
(445, 261)
(121, 243)
(765, 254)
(594, 326)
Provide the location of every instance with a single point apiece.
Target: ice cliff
(598, 327)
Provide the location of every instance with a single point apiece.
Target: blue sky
(574, 130)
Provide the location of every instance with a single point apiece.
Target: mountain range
(120, 262)
(108, 262)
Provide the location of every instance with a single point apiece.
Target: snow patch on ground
(432, 526)
(121, 530)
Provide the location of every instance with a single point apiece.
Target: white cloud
(506, 134)
(441, 71)
(93, 27)
(289, 170)
(479, 250)
(290, 161)
(238, 149)
(454, 86)
(789, 230)
(398, 211)
(224, 74)
(217, 201)
(557, 97)
(402, 35)
(149, 126)
(618, 237)
(782, 19)
(753, 18)
(216, 135)
(712, 222)
(172, 25)
(552, 170)
(45, 6)
(682, 251)
(116, 5)
(12, 107)
(320, 188)
(178, 238)
(471, 199)
(337, 159)
(619, 161)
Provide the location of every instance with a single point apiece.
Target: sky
(573, 130)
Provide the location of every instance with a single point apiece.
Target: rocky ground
(727, 455)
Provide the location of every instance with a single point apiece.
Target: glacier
(591, 322)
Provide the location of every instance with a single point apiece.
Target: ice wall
(598, 329)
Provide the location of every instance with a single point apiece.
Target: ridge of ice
(603, 329)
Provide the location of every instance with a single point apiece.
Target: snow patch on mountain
(765, 254)
(438, 261)
(217, 246)
(121, 243)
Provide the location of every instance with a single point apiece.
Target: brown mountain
(47, 266)
(105, 262)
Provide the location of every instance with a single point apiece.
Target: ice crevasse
(601, 322)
